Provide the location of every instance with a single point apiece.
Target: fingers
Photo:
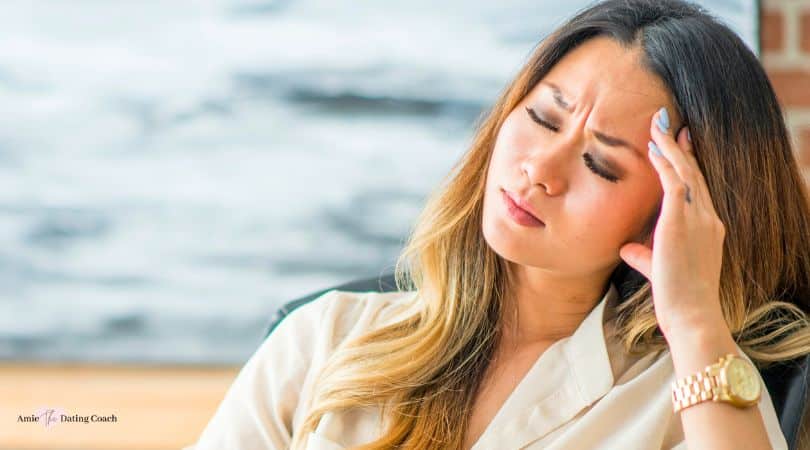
(679, 157)
(703, 188)
(674, 186)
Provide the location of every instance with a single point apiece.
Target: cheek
(514, 138)
(607, 215)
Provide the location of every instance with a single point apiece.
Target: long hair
(424, 371)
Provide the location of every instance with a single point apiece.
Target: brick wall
(785, 53)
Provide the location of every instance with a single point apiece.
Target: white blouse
(583, 392)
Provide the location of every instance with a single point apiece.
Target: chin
(508, 243)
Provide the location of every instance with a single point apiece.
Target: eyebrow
(611, 141)
(558, 97)
(615, 142)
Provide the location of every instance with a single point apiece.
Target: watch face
(742, 381)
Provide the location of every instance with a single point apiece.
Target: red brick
(772, 31)
(791, 86)
(804, 25)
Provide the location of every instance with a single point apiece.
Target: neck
(544, 307)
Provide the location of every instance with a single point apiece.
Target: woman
(629, 211)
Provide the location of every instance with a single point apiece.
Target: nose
(548, 165)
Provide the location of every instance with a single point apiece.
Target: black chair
(786, 381)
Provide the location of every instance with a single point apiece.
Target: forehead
(602, 76)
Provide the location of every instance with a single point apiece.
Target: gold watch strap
(693, 389)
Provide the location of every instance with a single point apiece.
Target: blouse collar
(569, 376)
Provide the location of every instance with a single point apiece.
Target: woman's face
(587, 217)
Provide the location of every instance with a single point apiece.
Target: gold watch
(731, 380)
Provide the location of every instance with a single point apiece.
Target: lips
(521, 204)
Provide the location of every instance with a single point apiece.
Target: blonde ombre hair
(424, 371)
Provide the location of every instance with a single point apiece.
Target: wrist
(697, 323)
(694, 347)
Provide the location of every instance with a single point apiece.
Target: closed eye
(587, 157)
(542, 122)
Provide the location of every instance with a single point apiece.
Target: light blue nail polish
(663, 120)
(688, 135)
(654, 148)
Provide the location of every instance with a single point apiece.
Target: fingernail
(654, 148)
(688, 135)
(663, 120)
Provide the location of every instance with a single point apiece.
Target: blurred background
(174, 171)
(171, 172)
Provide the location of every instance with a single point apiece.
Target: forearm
(713, 425)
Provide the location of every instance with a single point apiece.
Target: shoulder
(336, 315)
